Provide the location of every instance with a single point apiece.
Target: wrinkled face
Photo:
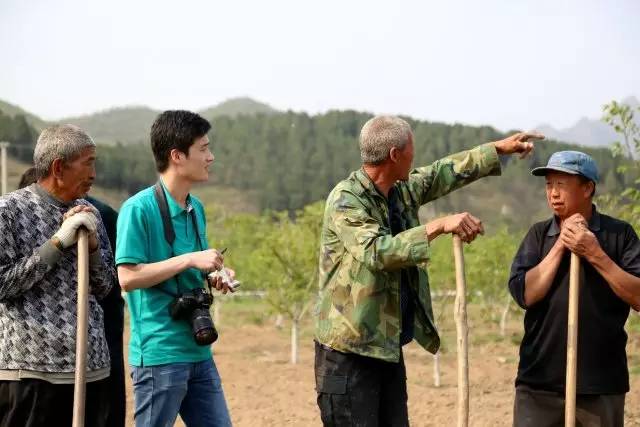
(567, 194)
(404, 159)
(195, 166)
(77, 176)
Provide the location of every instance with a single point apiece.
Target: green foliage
(13, 111)
(131, 125)
(487, 264)
(127, 125)
(442, 275)
(273, 252)
(22, 136)
(295, 159)
(129, 168)
(289, 258)
(284, 161)
(625, 204)
(621, 118)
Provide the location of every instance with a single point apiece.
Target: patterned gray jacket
(38, 287)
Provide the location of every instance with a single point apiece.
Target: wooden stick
(572, 342)
(81, 329)
(436, 369)
(294, 341)
(3, 164)
(462, 332)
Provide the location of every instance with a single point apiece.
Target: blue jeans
(194, 390)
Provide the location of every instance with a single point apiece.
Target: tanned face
(567, 194)
(77, 176)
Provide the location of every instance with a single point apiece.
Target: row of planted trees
(277, 252)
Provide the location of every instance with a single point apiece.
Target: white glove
(68, 232)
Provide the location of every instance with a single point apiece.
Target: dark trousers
(539, 408)
(113, 308)
(354, 390)
(37, 403)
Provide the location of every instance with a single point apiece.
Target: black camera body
(193, 306)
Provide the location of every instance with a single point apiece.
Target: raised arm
(450, 173)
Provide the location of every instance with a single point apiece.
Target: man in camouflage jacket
(374, 290)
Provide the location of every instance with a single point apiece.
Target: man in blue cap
(610, 285)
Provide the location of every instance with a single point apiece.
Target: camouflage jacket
(360, 261)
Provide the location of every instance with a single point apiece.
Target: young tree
(487, 263)
(289, 259)
(622, 118)
(627, 204)
(278, 254)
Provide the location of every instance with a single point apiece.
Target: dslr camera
(193, 306)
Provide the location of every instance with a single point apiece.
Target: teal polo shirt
(156, 338)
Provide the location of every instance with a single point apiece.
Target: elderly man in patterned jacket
(374, 290)
(38, 287)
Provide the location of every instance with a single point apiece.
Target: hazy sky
(511, 64)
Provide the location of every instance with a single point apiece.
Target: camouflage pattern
(360, 261)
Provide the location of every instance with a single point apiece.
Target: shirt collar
(174, 207)
(367, 183)
(594, 223)
(40, 191)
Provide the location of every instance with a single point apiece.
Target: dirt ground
(263, 389)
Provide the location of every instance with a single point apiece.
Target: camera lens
(203, 330)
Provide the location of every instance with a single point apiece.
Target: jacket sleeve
(366, 242)
(102, 273)
(19, 273)
(450, 173)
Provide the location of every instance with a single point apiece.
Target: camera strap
(170, 233)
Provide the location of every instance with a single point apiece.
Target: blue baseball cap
(571, 162)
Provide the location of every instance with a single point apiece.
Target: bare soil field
(263, 389)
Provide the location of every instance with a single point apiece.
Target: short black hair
(175, 129)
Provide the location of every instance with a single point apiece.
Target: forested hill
(294, 159)
(130, 125)
(287, 160)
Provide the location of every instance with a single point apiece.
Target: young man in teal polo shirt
(171, 372)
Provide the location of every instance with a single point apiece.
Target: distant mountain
(122, 124)
(13, 110)
(236, 106)
(132, 124)
(319, 150)
(588, 132)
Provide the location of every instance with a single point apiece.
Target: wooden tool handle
(572, 342)
(462, 332)
(81, 329)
